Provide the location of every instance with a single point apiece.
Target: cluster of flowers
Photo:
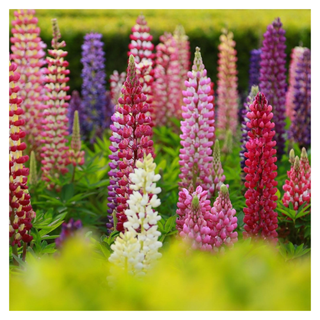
(136, 248)
(204, 227)
(198, 166)
(254, 70)
(131, 132)
(116, 83)
(28, 53)
(227, 85)
(273, 77)
(298, 187)
(20, 209)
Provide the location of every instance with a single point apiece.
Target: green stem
(24, 252)
(73, 174)
(15, 252)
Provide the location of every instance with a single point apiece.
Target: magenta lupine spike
(295, 53)
(260, 216)
(217, 175)
(141, 48)
(132, 137)
(20, 209)
(194, 226)
(296, 188)
(197, 129)
(273, 78)
(166, 87)
(227, 85)
(55, 151)
(304, 163)
(300, 129)
(27, 52)
(116, 82)
(222, 220)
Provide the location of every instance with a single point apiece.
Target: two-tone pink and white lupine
(55, 122)
(217, 175)
(116, 82)
(141, 48)
(227, 85)
(132, 139)
(197, 129)
(167, 93)
(27, 52)
(295, 54)
(297, 187)
(136, 249)
(20, 209)
(305, 165)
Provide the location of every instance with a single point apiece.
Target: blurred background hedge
(202, 26)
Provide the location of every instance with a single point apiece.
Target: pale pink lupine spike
(227, 85)
(197, 129)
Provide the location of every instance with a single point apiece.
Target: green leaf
(170, 223)
(67, 191)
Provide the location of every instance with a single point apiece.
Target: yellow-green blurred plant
(248, 277)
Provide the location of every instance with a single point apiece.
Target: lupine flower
(68, 230)
(116, 82)
(93, 89)
(254, 69)
(76, 156)
(260, 218)
(304, 163)
(227, 85)
(131, 137)
(300, 128)
(27, 52)
(296, 188)
(295, 54)
(222, 220)
(136, 249)
(191, 221)
(77, 105)
(197, 129)
(217, 175)
(273, 77)
(167, 87)
(141, 48)
(245, 138)
(20, 209)
(55, 151)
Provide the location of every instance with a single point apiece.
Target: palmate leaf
(290, 251)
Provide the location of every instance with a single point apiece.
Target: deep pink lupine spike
(166, 87)
(227, 85)
(197, 129)
(131, 140)
(20, 209)
(260, 215)
(55, 121)
(28, 53)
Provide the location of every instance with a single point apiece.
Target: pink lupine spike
(166, 87)
(260, 216)
(55, 122)
(197, 129)
(227, 85)
(28, 53)
(20, 209)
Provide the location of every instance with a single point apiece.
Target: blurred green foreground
(248, 277)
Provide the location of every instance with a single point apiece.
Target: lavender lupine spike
(227, 85)
(217, 175)
(300, 129)
(77, 105)
(67, 230)
(245, 138)
(28, 53)
(295, 54)
(55, 122)
(254, 69)
(273, 78)
(197, 129)
(93, 89)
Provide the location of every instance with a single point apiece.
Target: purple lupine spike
(93, 89)
(273, 78)
(244, 129)
(300, 128)
(254, 69)
(68, 230)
